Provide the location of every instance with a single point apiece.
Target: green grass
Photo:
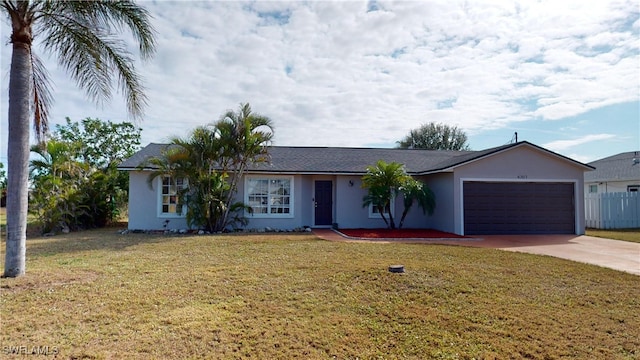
(632, 235)
(101, 295)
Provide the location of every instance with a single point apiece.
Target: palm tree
(55, 160)
(383, 182)
(82, 35)
(415, 191)
(195, 159)
(212, 160)
(56, 177)
(244, 139)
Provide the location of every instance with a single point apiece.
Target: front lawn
(632, 235)
(101, 295)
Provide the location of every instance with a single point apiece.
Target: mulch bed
(399, 234)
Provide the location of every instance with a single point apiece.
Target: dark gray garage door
(518, 208)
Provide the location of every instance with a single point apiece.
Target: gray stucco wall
(442, 185)
(351, 214)
(347, 205)
(143, 205)
(349, 211)
(521, 164)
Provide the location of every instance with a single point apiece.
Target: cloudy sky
(564, 75)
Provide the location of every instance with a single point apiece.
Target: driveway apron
(613, 254)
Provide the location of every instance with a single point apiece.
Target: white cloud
(331, 73)
(562, 145)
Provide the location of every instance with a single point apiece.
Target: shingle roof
(149, 151)
(348, 160)
(620, 167)
(340, 160)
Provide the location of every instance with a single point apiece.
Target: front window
(170, 202)
(269, 196)
(375, 213)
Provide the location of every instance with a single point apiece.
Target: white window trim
(268, 215)
(376, 215)
(159, 207)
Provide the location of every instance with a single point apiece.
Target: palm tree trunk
(392, 224)
(20, 78)
(233, 186)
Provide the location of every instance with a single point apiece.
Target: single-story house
(518, 188)
(617, 173)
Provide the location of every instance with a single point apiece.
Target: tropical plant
(212, 160)
(435, 136)
(56, 197)
(102, 145)
(55, 160)
(415, 191)
(381, 202)
(244, 139)
(194, 160)
(383, 182)
(3, 186)
(75, 184)
(83, 36)
(3, 177)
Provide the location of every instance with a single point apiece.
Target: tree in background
(56, 177)
(435, 136)
(384, 181)
(75, 181)
(3, 186)
(102, 145)
(211, 161)
(84, 37)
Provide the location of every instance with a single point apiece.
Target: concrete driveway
(614, 254)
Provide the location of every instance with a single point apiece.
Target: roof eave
(586, 167)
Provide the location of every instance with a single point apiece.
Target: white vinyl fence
(612, 210)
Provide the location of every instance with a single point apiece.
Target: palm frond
(120, 16)
(83, 36)
(42, 98)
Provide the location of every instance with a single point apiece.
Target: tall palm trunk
(222, 222)
(20, 99)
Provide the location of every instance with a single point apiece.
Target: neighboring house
(617, 173)
(518, 188)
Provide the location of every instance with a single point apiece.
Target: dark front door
(323, 202)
